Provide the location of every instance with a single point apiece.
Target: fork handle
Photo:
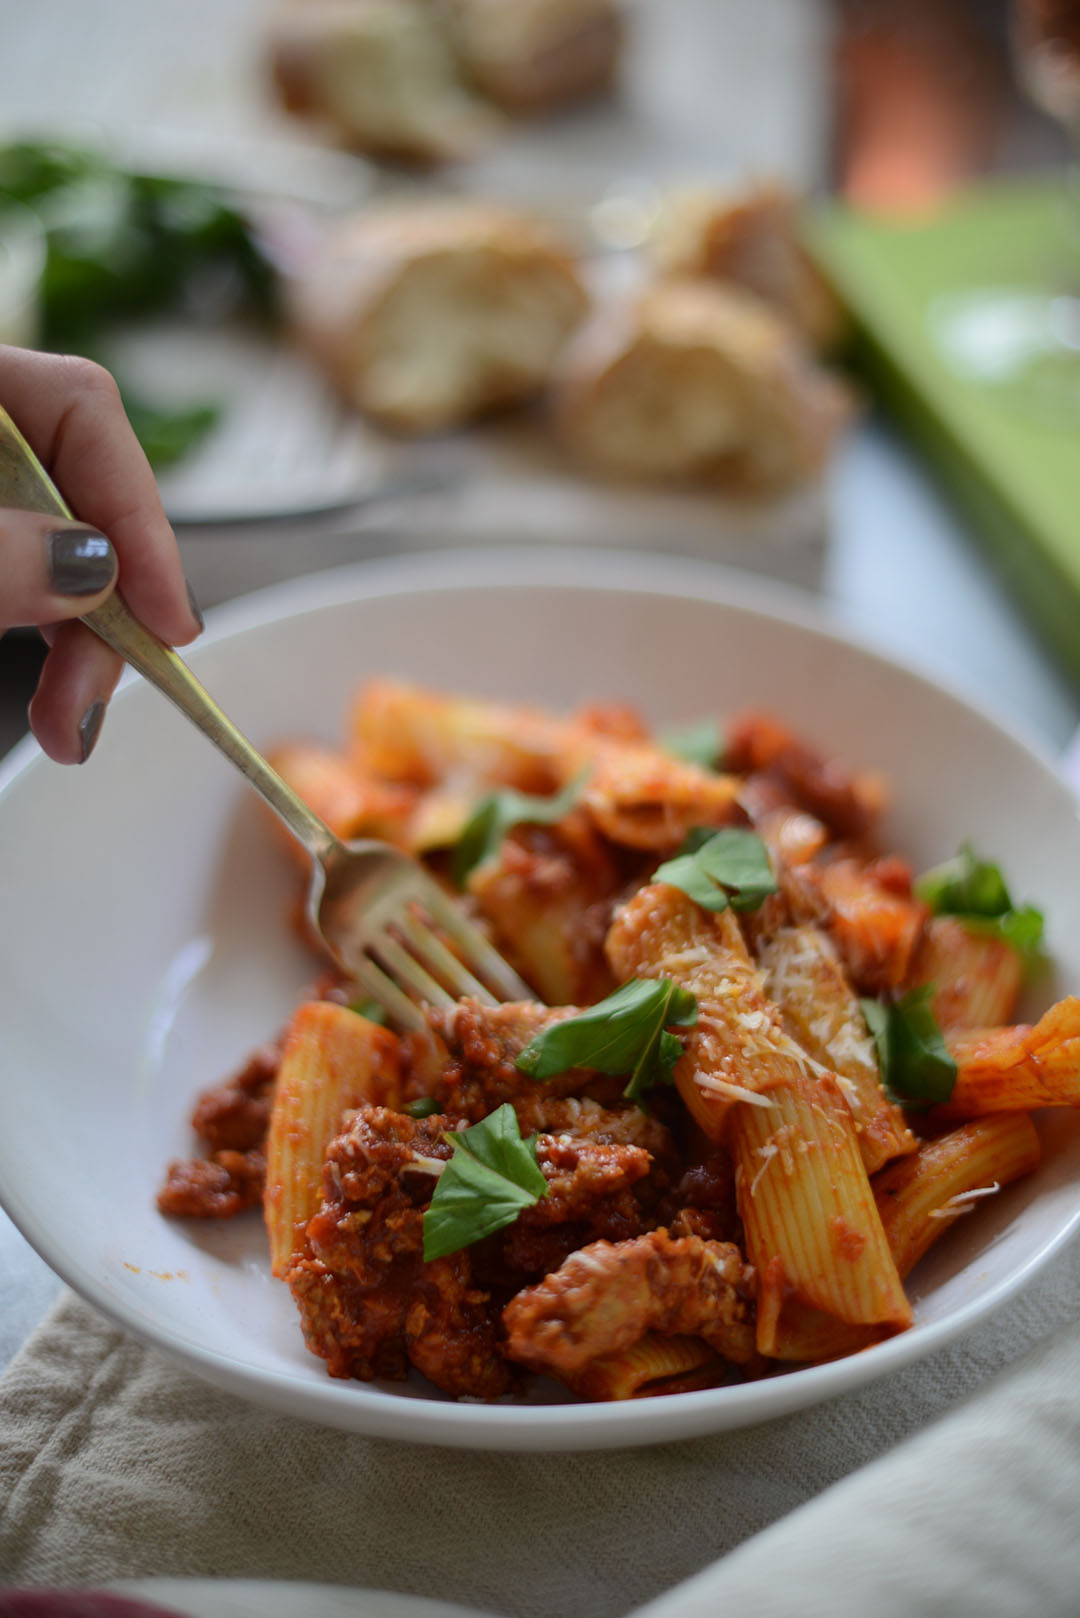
(24, 484)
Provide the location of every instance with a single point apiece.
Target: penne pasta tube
(656, 1364)
(919, 1198)
(332, 1060)
(812, 1226)
(546, 897)
(729, 1056)
(1015, 1069)
(922, 1196)
(870, 915)
(352, 803)
(408, 733)
(977, 975)
(640, 797)
(806, 981)
(811, 1223)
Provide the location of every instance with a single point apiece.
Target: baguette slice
(427, 316)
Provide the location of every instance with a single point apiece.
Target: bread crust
(697, 382)
(380, 76)
(750, 237)
(531, 55)
(428, 316)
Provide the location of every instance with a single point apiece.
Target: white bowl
(144, 949)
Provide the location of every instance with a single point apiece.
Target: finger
(77, 679)
(51, 569)
(70, 413)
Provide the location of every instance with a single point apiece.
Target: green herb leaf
(370, 1009)
(492, 1176)
(166, 436)
(916, 1068)
(423, 1107)
(718, 868)
(494, 816)
(1022, 928)
(626, 1033)
(702, 743)
(975, 891)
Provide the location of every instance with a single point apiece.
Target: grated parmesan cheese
(767, 1153)
(964, 1201)
(733, 1092)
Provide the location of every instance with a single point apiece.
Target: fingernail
(90, 728)
(81, 561)
(196, 613)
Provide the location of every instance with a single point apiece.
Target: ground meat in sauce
(231, 1119)
(469, 1067)
(607, 1296)
(216, 1187)
(369, 1304)
(235, 1115)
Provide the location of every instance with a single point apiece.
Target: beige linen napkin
(976, 1518)
(115, 1464)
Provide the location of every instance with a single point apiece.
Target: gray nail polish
(90, 728)
(196, 612)
(81, 561)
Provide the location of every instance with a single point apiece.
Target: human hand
(52, 571)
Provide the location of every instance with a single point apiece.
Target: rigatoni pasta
(764, 1071)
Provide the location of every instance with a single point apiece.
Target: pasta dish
(767, 1065)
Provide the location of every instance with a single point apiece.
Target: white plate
(144, 948)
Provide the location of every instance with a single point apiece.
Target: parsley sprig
(492, 1176)
(974, 890)
(916, 1068)
(718, 868)
(499, 812)
(626, 1033)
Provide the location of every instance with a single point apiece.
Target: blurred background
(795, 286)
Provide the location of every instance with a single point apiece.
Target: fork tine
(483, 958)
(434, 954)
(406, 970)
(403, 1011)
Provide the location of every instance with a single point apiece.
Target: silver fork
(386, 922)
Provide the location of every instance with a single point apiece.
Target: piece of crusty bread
(381, 76)
(528, 55)
(697, 382)
(428, 315)
(749, 236)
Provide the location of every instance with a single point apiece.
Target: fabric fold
(116, 1464)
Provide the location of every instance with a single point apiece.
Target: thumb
(51, 569)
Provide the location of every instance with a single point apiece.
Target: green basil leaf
(702, 743)
(718, 868)
(422, 1107)
(964, 885)
(876, 1014)
(686, 872)
(626, 1033)
(916, 1068)
(370, 1009)
(1022, 928)
(496, 814)
(492, 1176)
(975, 892)
(497, 1143)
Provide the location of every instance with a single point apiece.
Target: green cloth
(1008, 453)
